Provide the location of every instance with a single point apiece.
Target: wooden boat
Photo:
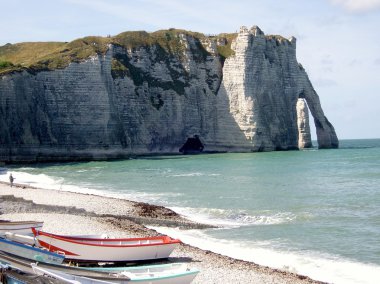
(19, 227)
(108, 250)
(99, 275)
(66, 277)
(29, 252)
(177, 273)
(168, 275)
(172, 273)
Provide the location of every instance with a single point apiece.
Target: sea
(312, 212)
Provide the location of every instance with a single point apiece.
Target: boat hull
(174, 273)
(171, 273)
(181, 277)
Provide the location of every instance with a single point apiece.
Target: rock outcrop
(304, 136)
(148, 99)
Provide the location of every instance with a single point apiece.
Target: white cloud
(358, 5)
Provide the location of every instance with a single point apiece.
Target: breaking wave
(223, 217)
(318, 266)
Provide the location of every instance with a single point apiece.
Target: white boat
(172, 273)
(29, 252)
(176, 273)
(25, 265)
(108, 250)
(19, 227)
(66, 277)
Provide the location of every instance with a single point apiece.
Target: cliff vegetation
(38, 56)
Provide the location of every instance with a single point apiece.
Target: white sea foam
(187, 175)
(40, 180)
(233, 218)
(57, 183)
(194, 174)
(326, 268)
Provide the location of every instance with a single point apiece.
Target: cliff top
(38, 56)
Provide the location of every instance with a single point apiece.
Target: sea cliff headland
(141, 93)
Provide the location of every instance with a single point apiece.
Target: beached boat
(25, 265)
(108, 250)
(29, 252)
(178, 273)
(169, 277)
(19, 227)
(66, 277)
(172, 273)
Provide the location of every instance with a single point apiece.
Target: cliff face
(146, 99)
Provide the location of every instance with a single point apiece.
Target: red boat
(89, 249)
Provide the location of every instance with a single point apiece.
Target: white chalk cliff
(157, 99)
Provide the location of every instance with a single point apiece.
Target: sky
(338, 41)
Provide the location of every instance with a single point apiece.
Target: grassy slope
(36, 56)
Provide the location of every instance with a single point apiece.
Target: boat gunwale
(20, 222)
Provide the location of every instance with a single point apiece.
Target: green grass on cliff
(49, 55)
(35, 56)
(167, 39)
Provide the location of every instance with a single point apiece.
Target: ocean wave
(37, 180)
(228, 217)
(60, 184)
(273, 219)
(318, 266)
(196, 174)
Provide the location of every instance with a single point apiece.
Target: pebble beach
(74, 213)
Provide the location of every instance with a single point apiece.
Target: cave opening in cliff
(193, 145)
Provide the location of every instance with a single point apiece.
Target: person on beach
(11, 179)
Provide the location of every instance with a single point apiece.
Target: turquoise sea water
(314, 212)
